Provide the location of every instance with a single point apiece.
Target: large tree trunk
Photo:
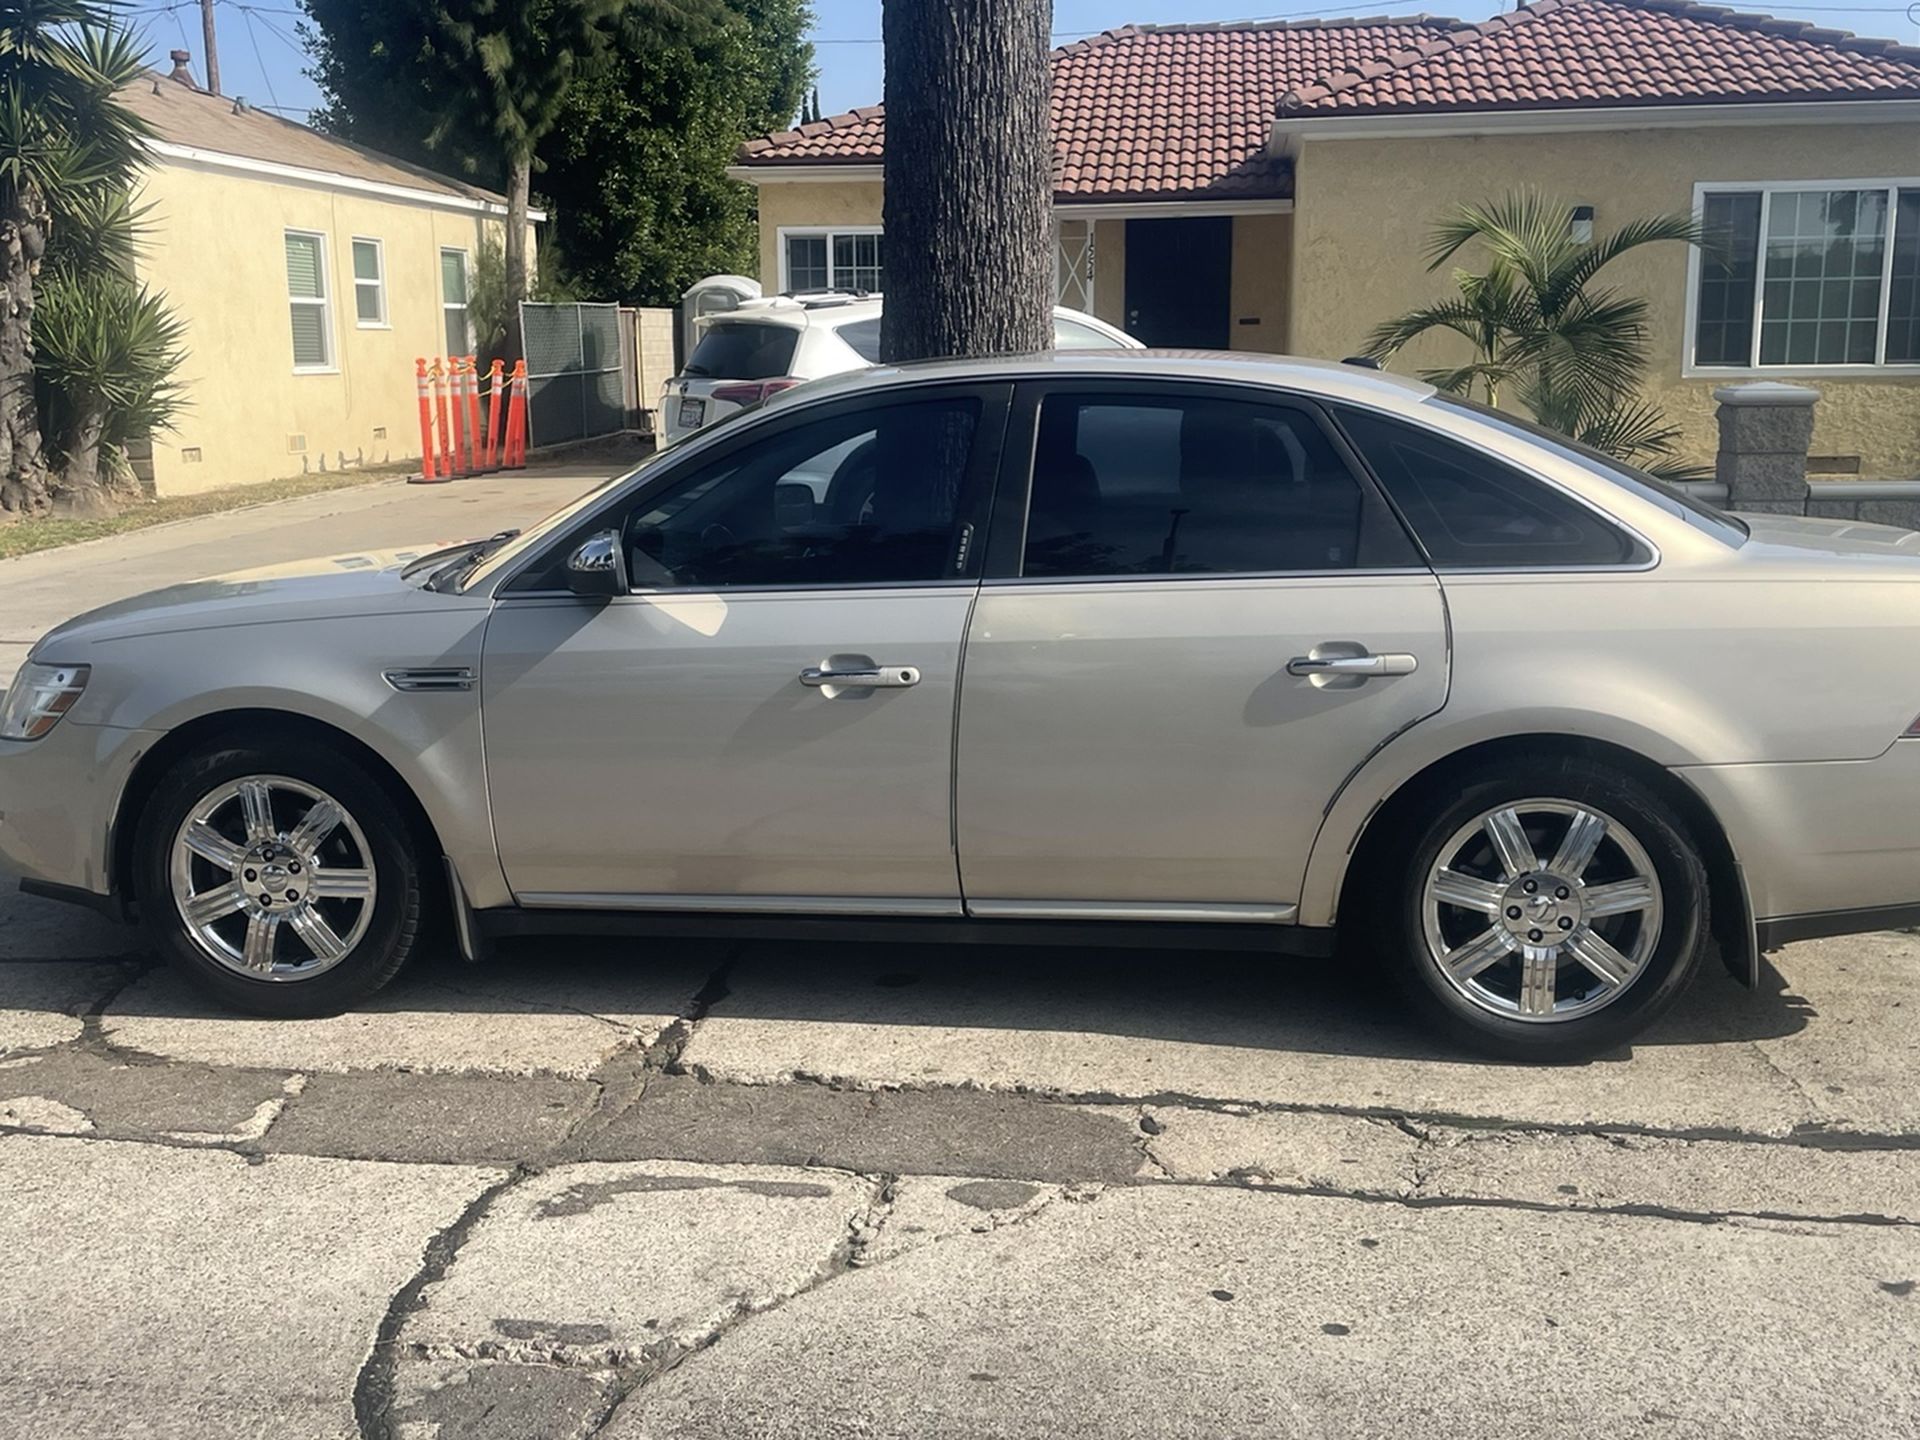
(969, 188)
(519, 180)
(80, 490)
(23, 239)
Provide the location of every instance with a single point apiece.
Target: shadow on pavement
(1341, 1006)
(1335, 1007)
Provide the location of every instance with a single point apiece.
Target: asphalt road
(676, 1190)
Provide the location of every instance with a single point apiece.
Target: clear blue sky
(260, 55)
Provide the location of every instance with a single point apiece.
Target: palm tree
(1572, 352)
(63, 134)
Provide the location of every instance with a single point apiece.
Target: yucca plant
(1540, 329)
(107, 354)
(64, 135)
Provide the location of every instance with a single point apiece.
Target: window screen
(369, 284)
(1471, 511)
(307, 301)
(807, 263)
(1186, 486)
(1729, 269)
(453, 301)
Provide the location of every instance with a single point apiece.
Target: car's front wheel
(280, 878)
(1548, 909)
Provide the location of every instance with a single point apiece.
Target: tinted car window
(864, 338)
(1471, 511)
(866, 498)
(1729, 529)
(1186, 486)
(743, 352)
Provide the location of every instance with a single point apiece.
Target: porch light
(1580, 225)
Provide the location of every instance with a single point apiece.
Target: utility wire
(254, 41)
(282, 36)
(1912, 12)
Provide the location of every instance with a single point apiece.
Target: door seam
(953, 751)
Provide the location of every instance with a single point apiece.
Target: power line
(1909, 10)
(254, 41)
(282, 36)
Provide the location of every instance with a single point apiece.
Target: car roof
(831, 309)
(1321, 377)
(799, 311)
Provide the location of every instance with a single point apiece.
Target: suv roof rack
(821, 299)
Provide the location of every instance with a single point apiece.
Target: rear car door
(1199, 617)
(766, 720)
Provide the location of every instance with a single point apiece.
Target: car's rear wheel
(1548, 909)
(280, 879)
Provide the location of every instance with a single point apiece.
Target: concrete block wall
(1765, 431)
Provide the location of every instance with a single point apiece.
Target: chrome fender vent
(430, 677)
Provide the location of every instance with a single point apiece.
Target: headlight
(38, 697)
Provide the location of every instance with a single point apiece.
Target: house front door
(1178, 275)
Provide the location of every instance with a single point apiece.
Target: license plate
(693, 414)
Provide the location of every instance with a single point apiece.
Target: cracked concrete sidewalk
(902, 1191)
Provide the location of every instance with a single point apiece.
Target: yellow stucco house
(311, 273)
(1269, 186)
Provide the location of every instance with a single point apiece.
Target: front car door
(1199, 618)
(766, 721)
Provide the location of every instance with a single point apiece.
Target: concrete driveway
(681, 1190)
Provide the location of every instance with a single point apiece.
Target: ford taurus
(1125, 648)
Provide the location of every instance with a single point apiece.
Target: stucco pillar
(1765, 430)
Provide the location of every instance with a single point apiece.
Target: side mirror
(598, 568)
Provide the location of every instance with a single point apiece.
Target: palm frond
(1460, 379)
(1592, 259)
(1523, 231)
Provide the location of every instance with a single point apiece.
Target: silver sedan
(1118, 649)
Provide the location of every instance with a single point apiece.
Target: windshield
(1729, 529)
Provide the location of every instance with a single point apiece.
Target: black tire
(1400, 932)
(391, 931)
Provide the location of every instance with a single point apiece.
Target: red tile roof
(1156, 112)
(1179, 112)
(1560, 54)
(1174, 112)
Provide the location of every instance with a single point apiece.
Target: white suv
(770, 345)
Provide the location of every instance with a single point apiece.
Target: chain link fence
(578, 381)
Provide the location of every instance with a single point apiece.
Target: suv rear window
(864, 337)
(743, 352)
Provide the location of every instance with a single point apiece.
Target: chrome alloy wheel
(1541, 910)
(273, 878)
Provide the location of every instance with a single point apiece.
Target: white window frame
(331, 365)
(1767, 190)
(378, 284)
(827, 232)
(465, 307)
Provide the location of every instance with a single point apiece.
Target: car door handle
(1363, 666)
(866, 677)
